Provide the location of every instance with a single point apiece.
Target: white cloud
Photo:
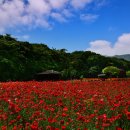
(80, 3)
(67, 13)
(11, 13)
(89, 17)
(58, 17)
(121, 46)
(58, 4)
(39, 7)
(100, 3)
(102, 47)
(21, 37)
(15, 13)
(25, 37)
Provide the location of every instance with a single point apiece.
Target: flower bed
(65, 105)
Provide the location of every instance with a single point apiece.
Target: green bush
(111, 71)
(128, 73)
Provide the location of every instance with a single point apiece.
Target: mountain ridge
(124, 56)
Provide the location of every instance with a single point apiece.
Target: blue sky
(102, 26)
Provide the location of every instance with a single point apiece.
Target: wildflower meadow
(65, 105)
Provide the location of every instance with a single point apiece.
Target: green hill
(22, 60)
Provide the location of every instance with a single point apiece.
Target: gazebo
(48, 75)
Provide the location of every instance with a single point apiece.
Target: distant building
(48, 75)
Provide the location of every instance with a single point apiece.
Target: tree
(93, 71)
(21, 60)
(111, 71)
(7, 70)
(128, 73)
(8, 37)
(122, 73)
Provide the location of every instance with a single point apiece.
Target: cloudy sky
(102, 26)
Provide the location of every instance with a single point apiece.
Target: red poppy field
(65, 105)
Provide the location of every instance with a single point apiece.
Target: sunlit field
(65, 105)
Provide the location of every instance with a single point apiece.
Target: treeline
(22, 60)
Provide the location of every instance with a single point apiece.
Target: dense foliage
(65, 105)
(128, 73)
(111, 70)
(22, 60)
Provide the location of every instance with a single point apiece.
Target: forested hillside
(22, 60)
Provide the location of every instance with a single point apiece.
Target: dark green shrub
(128, 73)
